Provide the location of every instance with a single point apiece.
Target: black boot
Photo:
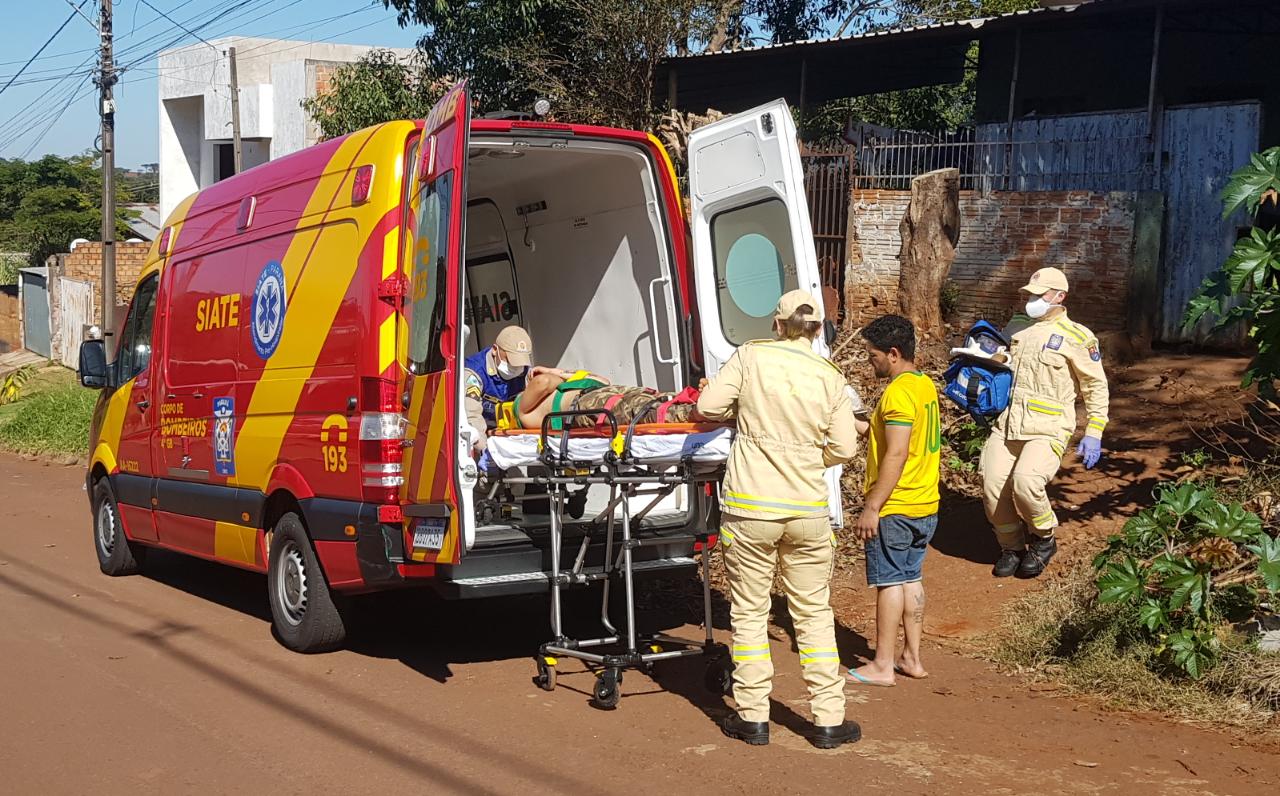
(1007, 563)
(831, 737)
(755, 733)
(1040, 552)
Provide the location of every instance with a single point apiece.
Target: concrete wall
(1004, 237)
(274, 76)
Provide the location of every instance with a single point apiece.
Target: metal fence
(987, 161)
(827, 173)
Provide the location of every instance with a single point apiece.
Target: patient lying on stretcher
(550, 391)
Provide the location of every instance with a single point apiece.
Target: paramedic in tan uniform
(795, 419)
(1049, 355)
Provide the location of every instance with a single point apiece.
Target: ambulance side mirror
(94, 371)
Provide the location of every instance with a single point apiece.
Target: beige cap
(1044, 280)
(517, 345)
(792, 301)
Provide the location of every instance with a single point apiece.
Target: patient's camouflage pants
(632, 405)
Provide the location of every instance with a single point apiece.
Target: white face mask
(507, 372)
(1038, 307)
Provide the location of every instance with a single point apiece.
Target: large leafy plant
(1184, 566)
(1247, 286)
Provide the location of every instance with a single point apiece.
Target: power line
(49, 41)
(176, 23)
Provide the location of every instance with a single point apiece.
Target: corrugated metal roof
(975, 24)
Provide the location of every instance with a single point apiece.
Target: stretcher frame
(626, 477)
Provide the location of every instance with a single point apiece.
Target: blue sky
(58, 82)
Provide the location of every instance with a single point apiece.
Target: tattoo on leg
(918, 614)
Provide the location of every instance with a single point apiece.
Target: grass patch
(51, 417)
(1062, 633)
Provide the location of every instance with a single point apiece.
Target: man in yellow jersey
(1050, 356)
(794, 420)
(900, 511)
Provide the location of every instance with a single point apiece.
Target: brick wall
(85, 264)
(10, 335)
(1004, 237)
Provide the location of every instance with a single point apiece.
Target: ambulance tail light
(382, 431)
(362, 184)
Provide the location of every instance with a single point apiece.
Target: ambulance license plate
(428, 533)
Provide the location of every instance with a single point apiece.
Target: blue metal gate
(1204, 144)
(35, 310)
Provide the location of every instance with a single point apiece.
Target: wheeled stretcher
(631, 461)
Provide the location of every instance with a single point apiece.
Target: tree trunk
(930, 230)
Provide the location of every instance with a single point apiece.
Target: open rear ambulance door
(752, 239)
(438, 470)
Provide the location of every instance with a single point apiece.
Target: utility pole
(107, 111)
(235, 109)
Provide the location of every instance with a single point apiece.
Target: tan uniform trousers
(1014, 476)
(804, 546)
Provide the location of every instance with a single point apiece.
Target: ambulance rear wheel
(116, 554)
(304, 613)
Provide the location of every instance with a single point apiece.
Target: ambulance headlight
(542, 106)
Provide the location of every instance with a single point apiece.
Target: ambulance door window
(135, 345)
(427, 305)
(754, 265)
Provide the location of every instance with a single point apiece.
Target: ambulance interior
(568, 238)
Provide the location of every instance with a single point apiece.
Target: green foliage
(10, 262)
(1197, 458)
(53, 420)
(11, 386)
(1183, 566)
(964, 438)
(1247, 286)
(45, 204)
(377, 88)
(949, 298)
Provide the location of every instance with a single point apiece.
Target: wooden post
(930, 231)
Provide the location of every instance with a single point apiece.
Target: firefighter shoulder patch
(1055, 342)
(1094, 353)
(472, 386)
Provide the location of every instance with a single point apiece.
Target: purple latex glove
(1090, 451)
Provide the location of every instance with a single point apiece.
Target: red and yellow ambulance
(284, 392)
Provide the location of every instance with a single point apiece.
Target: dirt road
(171, 682)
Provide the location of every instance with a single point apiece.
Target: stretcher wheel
(719, 676)
(546, 679)
(607, 694)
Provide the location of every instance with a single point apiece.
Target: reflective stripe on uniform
(1057, 447)
(1042, 518)
(1044, 408)
(738, 500)
(818, 655)
(1097, 423)
(727, 535)
(1071, 329)
(750, 652)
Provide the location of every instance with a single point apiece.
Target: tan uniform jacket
(1053, 359)
(794, 421)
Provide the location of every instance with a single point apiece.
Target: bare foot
(909, 667)
(871, 674)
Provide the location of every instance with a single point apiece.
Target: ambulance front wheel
(116, 554)
(305, 617)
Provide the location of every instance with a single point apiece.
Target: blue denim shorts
(896, 554)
